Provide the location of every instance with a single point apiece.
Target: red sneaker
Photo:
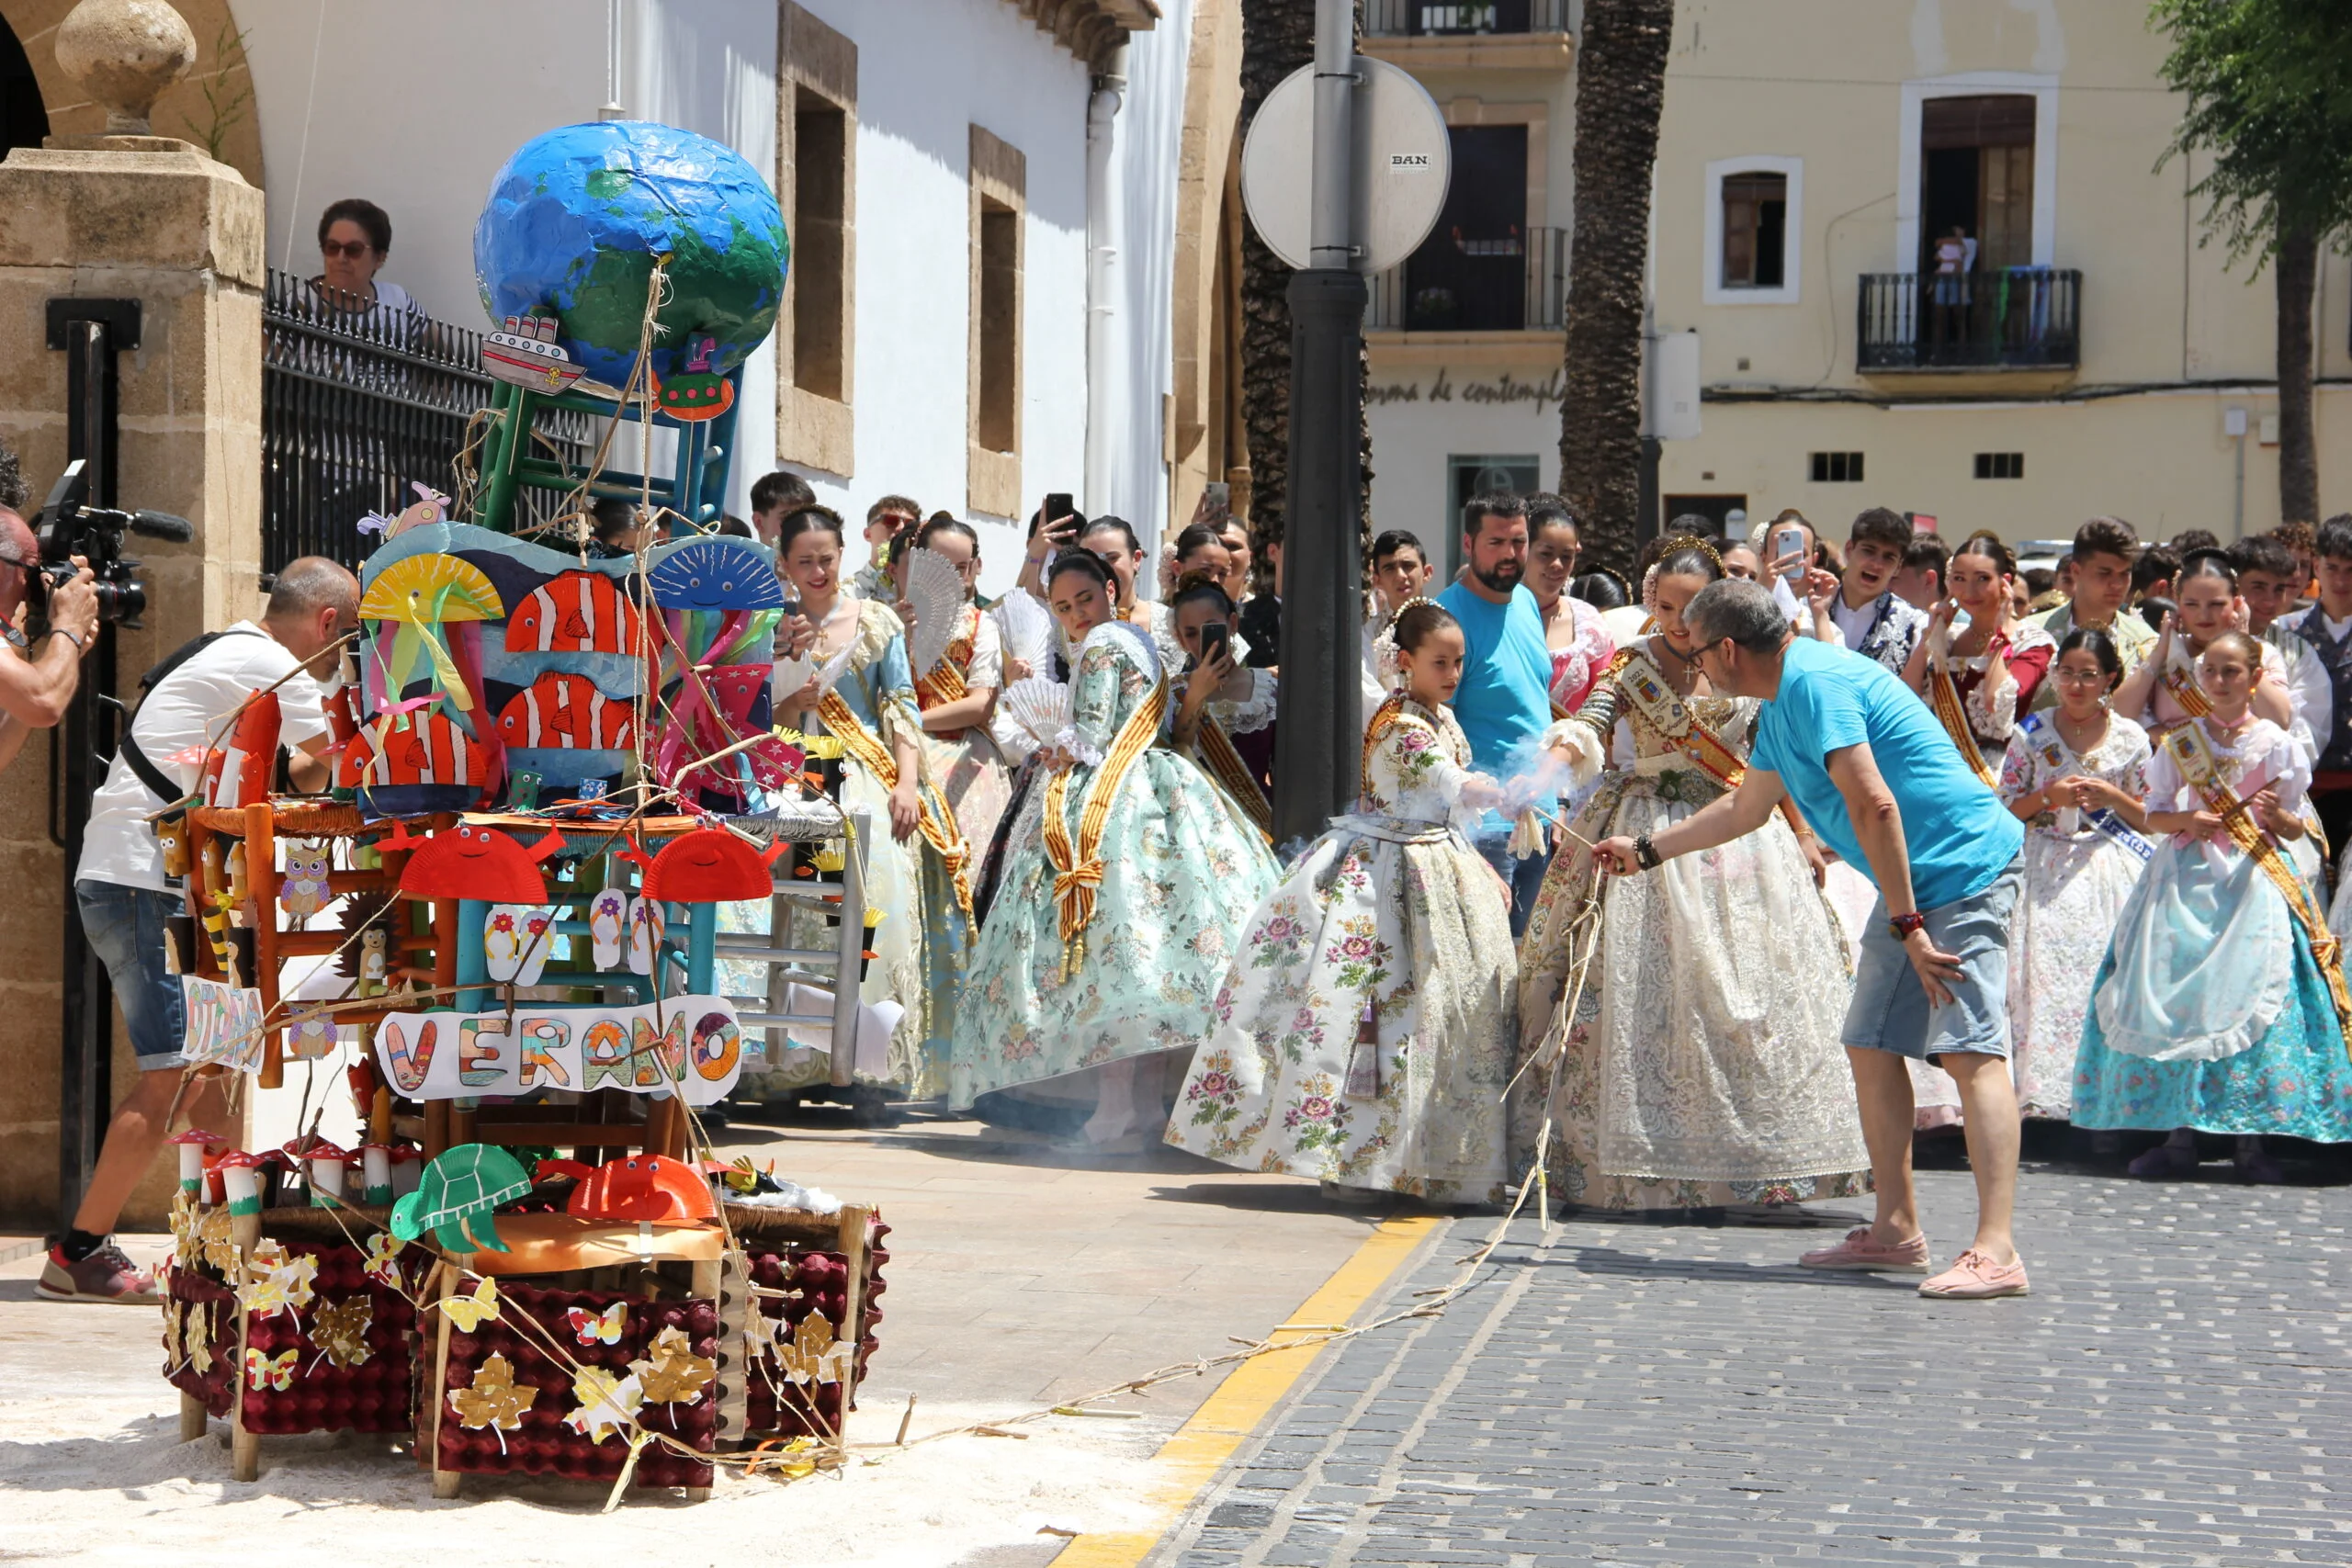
(1973, 1276)
(107, 1275)
(1858, 1253)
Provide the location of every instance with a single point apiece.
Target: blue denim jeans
(125, 927)
(1891, 1011)
(1524, 877)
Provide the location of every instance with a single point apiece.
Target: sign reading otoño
(689, 1044)
(223, 1024)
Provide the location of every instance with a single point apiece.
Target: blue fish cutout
(715, 574)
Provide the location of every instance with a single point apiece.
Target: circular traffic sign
(1402, 161)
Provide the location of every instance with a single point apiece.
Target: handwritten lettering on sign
(223, 1023)
(691, 1045)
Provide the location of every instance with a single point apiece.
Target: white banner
(689, 1044)
(223, 1023)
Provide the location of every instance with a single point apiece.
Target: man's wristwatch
(1904, 925)
(1645, 853)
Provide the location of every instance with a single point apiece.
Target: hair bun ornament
(1649, 589)
(1386, 657)
(1186, 581)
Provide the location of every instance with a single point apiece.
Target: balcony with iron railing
(2011, 319)
(1451, 34)
(1517, 283)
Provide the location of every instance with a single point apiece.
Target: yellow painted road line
(1191, 1457)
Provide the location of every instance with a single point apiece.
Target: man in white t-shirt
(125, 896)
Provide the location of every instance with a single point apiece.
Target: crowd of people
(1743, 875)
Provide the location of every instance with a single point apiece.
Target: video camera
(69, 526)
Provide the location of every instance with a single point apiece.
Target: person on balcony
(355, 238)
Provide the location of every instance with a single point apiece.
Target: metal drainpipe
(1104, 362)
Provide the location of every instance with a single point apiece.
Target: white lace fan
(791, 674)
(936, 590)
(1038, 706)
(1028, 630)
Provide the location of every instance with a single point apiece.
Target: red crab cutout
(707, 866)
(641, 1187)
(474, 862)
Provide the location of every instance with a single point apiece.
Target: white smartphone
(1788, 541)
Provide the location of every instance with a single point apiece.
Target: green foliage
(2269, 90)
(227, 93)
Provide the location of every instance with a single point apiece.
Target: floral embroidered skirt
(1420, 932)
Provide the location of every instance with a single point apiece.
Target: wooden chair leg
(195, 1419)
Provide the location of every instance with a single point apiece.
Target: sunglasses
(352, 249)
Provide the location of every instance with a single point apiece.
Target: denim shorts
(1890, 1010)
(125, 926)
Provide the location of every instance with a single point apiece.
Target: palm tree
(1621, 88)
(1277, 38)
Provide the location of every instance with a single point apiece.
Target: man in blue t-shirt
(1504, 701)
(1872, 772)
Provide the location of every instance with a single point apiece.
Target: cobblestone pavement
(2176, 1391)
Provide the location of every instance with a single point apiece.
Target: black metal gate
(358, 403)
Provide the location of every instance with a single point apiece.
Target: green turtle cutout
(456, 1195)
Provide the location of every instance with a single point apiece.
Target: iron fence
(1517, 283)
(358, 403)
(2017, 318)
(1456, 18)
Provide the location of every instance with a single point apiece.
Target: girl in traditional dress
(1226, 720)
(1363, 1034)
(1127, 879)
(1580, 644)
(918, 871)
(2162, 692)
(2075, 774)
(1701, 1063)
(1978, 681)
(960, 754)
(2220, 1005)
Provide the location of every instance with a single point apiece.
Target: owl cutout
(305, 890)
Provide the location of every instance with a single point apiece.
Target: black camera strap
(130, 751)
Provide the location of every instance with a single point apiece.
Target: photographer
(125, 896)
(35, 689)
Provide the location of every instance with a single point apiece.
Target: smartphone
(1216, 638)
(1058, 505)
(1788, 541)
(1219, 494)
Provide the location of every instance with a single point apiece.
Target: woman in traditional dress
(2162, 692)
(1225, 720)
(960, 754)
(2075, 774)
(1580, 645)
(1363, 1035)
(917, 862)
(1978, 681)
(1699, 1062)
(1127, 879)
(2220, 1005)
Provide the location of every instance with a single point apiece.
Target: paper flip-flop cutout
(646, 922)
(608, 923)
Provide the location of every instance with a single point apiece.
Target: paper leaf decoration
(264, 1371)
(275, 1282)
(174, 1335)
(470, 1313)
(423, 590)
(219, 1242)
(186, 1226)
(599, 1327)
(675, 1374)
(197, 1338)
(492, 1400)
(607, 1404)
(814, 1356)
(340, 1329)
(383, 1264)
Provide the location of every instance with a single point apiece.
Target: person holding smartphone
(1226, 718)
(1792, 552)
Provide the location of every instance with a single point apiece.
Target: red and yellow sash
(936, 823)
(947, 681)
(1647, 689)
(1215, 752)
(1943, 695)
(1077, 866)
(2193, 752)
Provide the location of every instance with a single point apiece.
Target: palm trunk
(1620, 89)
(2294, 273)
(1277, 38)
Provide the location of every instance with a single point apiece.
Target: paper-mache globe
(576, 217)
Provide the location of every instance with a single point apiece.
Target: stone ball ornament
(125, 54)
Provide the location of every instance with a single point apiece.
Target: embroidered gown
(1577, 667)
(1180, 869)
(2210, 1011)
(2077, 884)
(1244, 770)
(966, 765)
(1393, 909)
(1702, 1066)
(923, 940)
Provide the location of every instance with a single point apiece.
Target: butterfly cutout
(605, 1326)
(264, 1370)
(607, 1404)
(383, 1264)
(675, 1374)
(470, 1313)
(340, 1329)
(494, 1401)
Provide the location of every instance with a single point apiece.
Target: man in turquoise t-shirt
(1504, 701)
(1873, 772)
